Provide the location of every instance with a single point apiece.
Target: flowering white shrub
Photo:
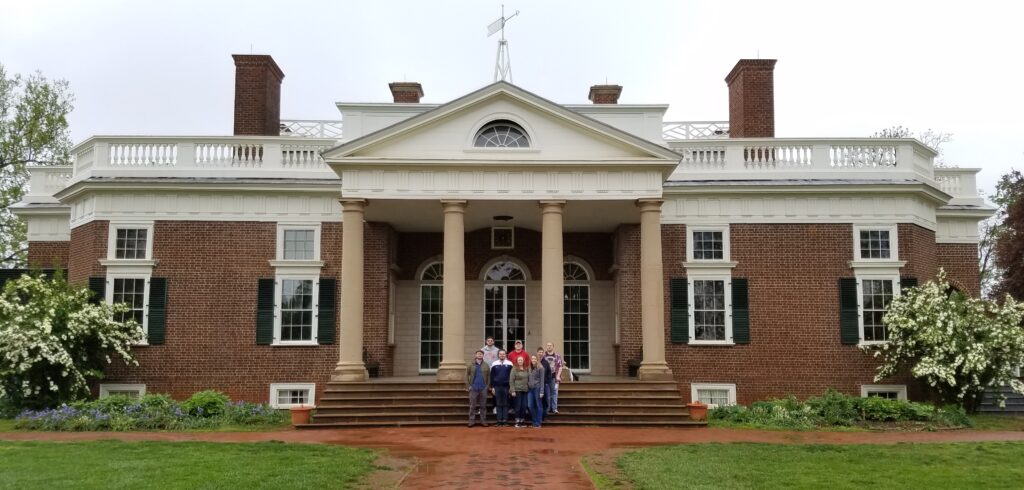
(959, 345)
(53, 340)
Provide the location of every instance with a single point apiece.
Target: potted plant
(698, 410)
(301, 414)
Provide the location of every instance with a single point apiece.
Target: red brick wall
(257, 95)
(212, 270)
(415, 248)
(752, 99)
(48, 254)
(918, 248)
(960, 260)
(793, 272)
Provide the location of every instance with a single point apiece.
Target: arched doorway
(431, 315)
(505, 303)
(576, 316)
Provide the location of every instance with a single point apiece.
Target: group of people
(519, 382)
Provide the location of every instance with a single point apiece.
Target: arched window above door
(433, 272)
(501, 134)
(573, 271)
(505, 271)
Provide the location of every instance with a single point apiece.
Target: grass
(6, 425)
(141, 465)
(959, 465)
(985, 421)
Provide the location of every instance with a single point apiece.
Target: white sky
(845, 69)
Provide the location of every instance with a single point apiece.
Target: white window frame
(145, 274)
(860, 303)
(901, 390)
(723, 229)
(692, 305)
(105, 389)
(894, 245)
(125, 225)
(275, 387)
(278, 316)
(314, 227)
(730, 387)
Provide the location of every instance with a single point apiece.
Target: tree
(957, 344)
(54, 339)
(1006, 237)
(33, 131)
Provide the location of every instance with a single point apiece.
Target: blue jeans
(551, 395)
(519, 401)
(501, 403)
(536, 406)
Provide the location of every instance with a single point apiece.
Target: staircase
(403, 404)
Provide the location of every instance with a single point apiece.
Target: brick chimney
(605, 94)
(257, 95)
(752, 99)
(406, 92)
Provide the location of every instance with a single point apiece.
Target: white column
(453, 320)
(652, 291)
(552, 277)
(350, 362)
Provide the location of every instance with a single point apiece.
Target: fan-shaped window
(502, 134)
(505, 271)
(574, 272)
(433, 272)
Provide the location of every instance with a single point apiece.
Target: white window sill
(876, 263)
(129, 266)
(297, 263)
(710, 264)
(304, 343)
(866, 343)
(141, 344)
(712, 342)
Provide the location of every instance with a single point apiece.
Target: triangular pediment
(447, 133)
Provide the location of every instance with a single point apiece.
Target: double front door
(505, 314)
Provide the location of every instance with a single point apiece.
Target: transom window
(283, 395)
(131, 243)
(292, 397)
(131, 292)
(708, 245)
(502, 134)
(709, 310)
(713, 394)
(574, 272)
(505, 271)
(874, 244)
(876, 295)
(890, 392)
(298, 244)
(296, 310)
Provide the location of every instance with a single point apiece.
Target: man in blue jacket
(500, 372)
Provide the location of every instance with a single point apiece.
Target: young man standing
(490, 351)
(555, 361)
(501, 370)
(549, 373)
(519, 352)
(478, 381)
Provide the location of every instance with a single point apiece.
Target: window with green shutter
(849, 316)
(157, 310)
(265, 312)
(740, 311)
(680, 311)
(327, 308)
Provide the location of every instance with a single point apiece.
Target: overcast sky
(845, 68)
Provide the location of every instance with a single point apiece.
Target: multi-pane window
(296, 310)
(576, 316)
(708, 245)
(890, 392)
(875, 244)
(502, 134)
(298, 244)
(876, 294)
(130, 243)
(431, 316)
(715, 397)
(131, 292)
(505, 305)
(292, 397)
(709, 310)
(890, 395)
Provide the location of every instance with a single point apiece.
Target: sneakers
(471, 424)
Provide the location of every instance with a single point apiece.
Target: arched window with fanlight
(576, 316)
(501, 134)
(431, 316)
(505, 304)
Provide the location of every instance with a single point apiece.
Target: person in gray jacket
(536, 396)
(519, 386)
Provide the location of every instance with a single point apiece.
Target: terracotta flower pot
(300, 415)
(698, 411)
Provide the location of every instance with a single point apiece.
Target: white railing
(694, 130)
(790, 158)
(311, 128)
(44, 181)
(238, 156)
(961, 183)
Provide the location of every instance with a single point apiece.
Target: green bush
(881, 409)
(210, 403)
(835, 408)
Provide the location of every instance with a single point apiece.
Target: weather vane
(503, 65)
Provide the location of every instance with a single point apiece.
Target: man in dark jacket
(549, 377)
(478, 382)
(501, 370)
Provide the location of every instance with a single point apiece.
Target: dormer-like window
(502, 134)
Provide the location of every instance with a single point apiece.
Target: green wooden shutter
(326, 316)
(157, 310)
(7, 274)
(265, 312)
(849, 315)
(680, 311)
(740, 311)
(908, 282)
(98, 286)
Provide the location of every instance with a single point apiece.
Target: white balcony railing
(175, 156)
(694, 130)
(45, 181)
(961, 183)
(311, 128)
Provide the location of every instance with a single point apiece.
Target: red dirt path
(549, 458)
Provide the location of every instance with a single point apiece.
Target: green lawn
(113, 464)
(961, 465)
(6, 425)
(997, 422)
